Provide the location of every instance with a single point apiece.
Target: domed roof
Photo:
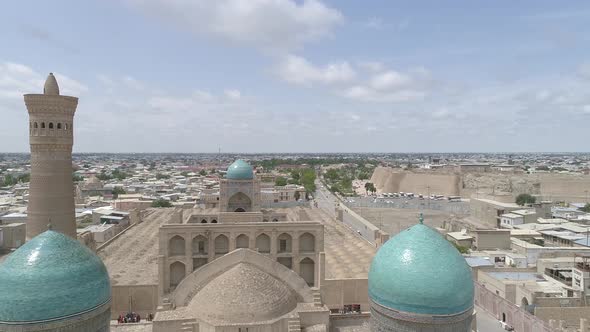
(418, 271)
(243, 294)
(51, 87)
(240, 170)
(51, 277)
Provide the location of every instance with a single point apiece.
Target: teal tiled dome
(418, 271)
(51, 277)
(240, 170)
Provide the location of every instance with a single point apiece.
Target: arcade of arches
(294, 250)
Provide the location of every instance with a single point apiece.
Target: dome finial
(421, 218)
(49, 225)
(51, 87)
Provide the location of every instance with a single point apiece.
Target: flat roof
(460, 236)
(478, 261)
(515, 276)
(511, 215)
(524, 212)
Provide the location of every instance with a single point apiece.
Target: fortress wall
(493, 185)
(390, 180)
(563, 186)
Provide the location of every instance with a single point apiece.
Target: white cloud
(233, 94)
(375, 23)
(264, 24)
(18, 79)
(380, 84)
(298, 70)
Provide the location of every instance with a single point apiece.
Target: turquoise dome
(418, 271)
(51, 277)
(240, 170)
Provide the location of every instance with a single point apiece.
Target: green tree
(103, 176)
(161, 176)
(118, 191)
(332, 175)
(160, 202)
(524, 199)
(308, 180)
(77, 178)
(586, 208)
(370, 187)
(9, 180)
(280, 181)
(24, 178)
(184, 173)
(203, 172)
(119, 175)
(461, 249)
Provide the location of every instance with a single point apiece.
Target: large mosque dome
(244, 294)
(240, 170)
(51, 277)
(420, 272)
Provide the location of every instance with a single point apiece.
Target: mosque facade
(234, 268)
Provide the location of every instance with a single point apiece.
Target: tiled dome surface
(418, 271)
(52, 276)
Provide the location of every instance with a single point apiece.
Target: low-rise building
(486, 239)
(12, 235)
(509, 220)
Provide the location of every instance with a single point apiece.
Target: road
(325, 199)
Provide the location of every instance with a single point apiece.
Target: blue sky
(303, 76)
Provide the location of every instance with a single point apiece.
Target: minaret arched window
(35, 125)
(50, 125)
(59, 125)
(66, 126)
(42, 125)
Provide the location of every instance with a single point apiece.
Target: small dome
(418, 271)
(240, 170)
(51, 87)
(51, 277)
(243, 294)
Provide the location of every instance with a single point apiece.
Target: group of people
(132, 317)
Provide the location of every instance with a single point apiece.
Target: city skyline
(305, 76)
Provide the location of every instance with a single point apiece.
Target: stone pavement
(131, 259)
(347, 254)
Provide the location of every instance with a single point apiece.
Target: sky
(251, 76)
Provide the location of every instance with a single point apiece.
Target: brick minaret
(51, 193)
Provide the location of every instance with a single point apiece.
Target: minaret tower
(51, 135)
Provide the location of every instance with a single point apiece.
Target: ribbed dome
(418, 271)
(243, 294)
(240, 170)
(51, 87)
(50, 277)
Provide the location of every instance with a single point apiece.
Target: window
(282, 245)
(42, 125)
(66, 126)
(59, 126)
(35, 125)
(50, 125)
(201, 246)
